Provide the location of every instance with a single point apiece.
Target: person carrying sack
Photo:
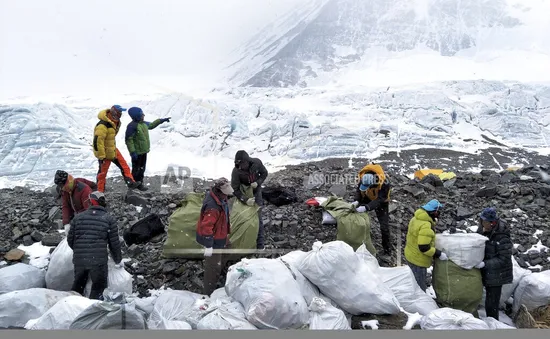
(213, 229)
(250, 172)
(137, 142)
(105, 149)
(420, 244)
(92, 232)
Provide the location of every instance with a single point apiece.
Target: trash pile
(329, 287)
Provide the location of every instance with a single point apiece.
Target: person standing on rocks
(137, 142)
(90, 234)
(373, 194)
(250, 172)
(213, 232)
(74, 193)
(420, 244)
(496, 268)
(105, 149)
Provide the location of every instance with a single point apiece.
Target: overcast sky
(75, 47)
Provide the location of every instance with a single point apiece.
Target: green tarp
(244, 223)
(456, 287)
(182, 228)
(353, 227)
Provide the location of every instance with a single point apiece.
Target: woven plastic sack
(21, 277)
(464, 249)
(451, 319)
(324, 316)
(61, 315)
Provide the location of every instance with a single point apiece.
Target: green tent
(182, 229)
(353, 227)
(456, 287)
(244, 223)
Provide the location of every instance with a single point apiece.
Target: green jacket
(420, 233)
(137, 136)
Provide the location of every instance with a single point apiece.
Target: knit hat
(366, 181)
(489, 214)
(60, 177)
(224, 186)
(432, 206)
(98, 198)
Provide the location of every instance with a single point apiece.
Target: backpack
(143, 230)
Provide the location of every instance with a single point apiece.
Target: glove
(355, 203)
(163, 120)
(134, 156)
(208, 251)
(250, 202)
(361, 209)
(254, 185)
(443, 257)
(480, 265)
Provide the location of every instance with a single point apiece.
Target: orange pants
(104, 168)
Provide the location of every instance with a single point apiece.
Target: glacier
(281, 126)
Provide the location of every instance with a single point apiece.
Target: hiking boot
(133, 184)
(142, 188)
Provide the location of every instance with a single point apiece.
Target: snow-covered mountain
(347, 40)
(330, 78)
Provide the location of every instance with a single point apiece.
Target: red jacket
(213, 226)
(75, 196)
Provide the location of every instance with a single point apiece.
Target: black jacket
(373, 204)
(256, 173)
(91, 232)
(498, 269)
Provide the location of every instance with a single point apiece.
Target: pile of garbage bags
(318, 290)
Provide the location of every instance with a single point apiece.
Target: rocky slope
(521, 197)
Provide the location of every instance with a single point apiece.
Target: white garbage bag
(324, 316)
(339, 274)
(369, 259)
(451, 319)
(21, 277)
(18, 307)
(108, 315)
(60, 273)
(225, 314)
(464, 249)
(309, 291)
(178, 306)
(533, 291)
(509, 289)
(218, 294)
(61, 315)
(497, 325)
(173, 325)
(145, 305)
(118, 280)
(405, 288)
(269, 293)
(328, 219)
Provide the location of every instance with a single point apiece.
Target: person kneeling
(90, 234)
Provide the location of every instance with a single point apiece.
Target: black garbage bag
(279, 196)
(144, 230)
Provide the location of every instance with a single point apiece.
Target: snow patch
(38, 254)
(537, 247)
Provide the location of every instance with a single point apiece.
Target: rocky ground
(522, 198)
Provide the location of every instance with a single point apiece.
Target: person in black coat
(497, 268)
(250, 172)
(90, 234)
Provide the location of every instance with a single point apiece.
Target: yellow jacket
(420, 232)
(105, 137)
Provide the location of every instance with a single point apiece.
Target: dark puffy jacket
(91, 232)
(75, 197)
(498, 269)
(256, 173)
(213, 225)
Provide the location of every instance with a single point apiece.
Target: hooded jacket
(213, 226)
(105, 137)
(137, 133)
(420, 246)
(256, 173)
(75, 197)
(373, 197)
(498, 269)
